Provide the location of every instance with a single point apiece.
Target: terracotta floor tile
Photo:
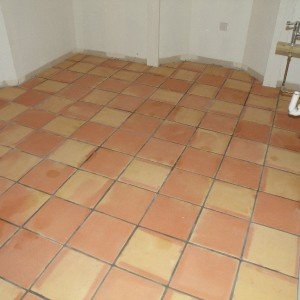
(166, 96)
(126, 141)
(84, 188)
(186, 186)
(210, 141)
(96, 237)
(261, 250)
(176, 85)
(54, 104)
(186, 116)
(287, 122)
(10, 291)
(154, 262)
(285, 139)
(66, 76)
(150, 79)
(163, 71)
(253, 131)
(283, 159)
(220, 232)
(50, 86)
(137, 67)
(211, 80)
(50, 220)
(71, 275)
(99, 97)
(145, 175)
(217, 70)
(15, 164)
(205, 274)
(171, 217)
(281, 184)
(72, 153)
(265, 91)
(111, 117)
(93, 133)
(31, 98)
(162, 152)
(193, 66)
(115, 63)
(198, 161)
(107, 162)
(5, 184)
(48, 73)
(218, 123)
(277, 212)
(226, 108)
(282, 106)
(231, 199)
(4, 150)
(30, 296)
(261, 102)
(17, 262)
(31, 83)
(118, 285)
(89, 80)
(257, 115)
(6, 231)
(96, 60)
(241, 75)
(237, 85)
(34, 118)
(12, 134)
(11, 111)
(81, 110)
(247, 150)
(195, 102)
(77, 57)
(65, 64)
(74, 91)
(10, 93)
(126, 202)
(139, 90)
(82, 67)
(47, 176)
(126, 102)
(19, 203)
(232, 95)
(174, 132)
(254, 282)
(174, 295)
(185, 75)
(103, 71)
(204, 90)
(155, 108)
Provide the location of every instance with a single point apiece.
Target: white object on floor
(294, 108)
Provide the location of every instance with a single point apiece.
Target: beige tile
(151, 255)
(126, 75)
(10, 291)
(50, 86)
(231, 199)
(3, 150)
(258, 115)
(10, 93)
(11, 111)
(241, 75)
(174, 295)
(111, 117)
(12, 134)
(185, 75)
(99, 97)
(82, 67)
(103, 71)
(262, 102)
(204, 90)
(254, 282)
(226, 108)
(186, 116)
(238, 85)
(55, 104)
(166, 96)
(163, 71)
(272, 249)
(72, 153)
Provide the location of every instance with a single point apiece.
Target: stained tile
(10, 291)
(84, 188)
(166, 96)
(31, 98)
(12, 134)
(50, 86)
(81, 110)
(186, 116)
(204, 90)
(155, 108)
(11, 110)
(151, 255)
(34, 118)
(54, 104)
(6, 231)
(99, 97)
(111, 117)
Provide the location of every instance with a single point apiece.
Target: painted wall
(38, 31)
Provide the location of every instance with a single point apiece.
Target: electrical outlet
(223, 26)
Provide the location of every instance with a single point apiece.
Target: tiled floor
(121, 181)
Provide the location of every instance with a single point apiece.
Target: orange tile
(17, 262)
(49, 73)
(89, 80)
(220, 232)
(277, 212)
(241, 75)
(10, 93)
(81, 110)
(5, 184)
(186, 186)
(47, 176)
(111, 117)
(257, 115)
(6, 231)
(139, 90)
(115, 63)
(238, 85)
(174, 132)
(126, 102)
(265, 91)
(217, 70)
(176, 85)
(96, 237)
(193, 66)
(31, 98)
(113, 85)
(162, 152)
(155, 108)
(152, 80)
(287, 122)
(30, 296)
(226, 108)
(166, 96)
(204, 90)
(31, 83)
(119, 285)
(103, 71)
(66, 76)
(107, 162)
(211, 80)
(185, 75)
(205, 274)
(94, 59)
(164, 71)
(285, 139)
(195, 102)
(175, 295)
(171, 217)
(138, 67)
(74, 91)
(125, 202)
(50, 220)
(232, 95)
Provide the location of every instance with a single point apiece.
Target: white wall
(39, 31)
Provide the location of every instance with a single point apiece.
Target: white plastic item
(294, 108)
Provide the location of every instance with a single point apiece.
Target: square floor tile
(150, 79)
(185, 75)
(205, 274)
(285, 139)
(139, 90)
(5, 184)
(12, 134)
(237, 85)
(231, 199)
(241, 75)
(50, 86)
(66, 76)
(15, 164)
(145, 175)
(226, 108)
(162, 152)
(103, 71)
(40, 143)
(71, 275)
(50, 221)
(96, 237)
(273, 249)
(265, 91)
(138, 67)
(119, 285)
(186, 186)
(115, 63)
(175, 295)
(111, 117)
(48, 73)
(63, 126)
(174, 132)
(198, 161)
(4, 150)
(19, 203)
(84, 188)
(113, 85)
(220, 232)
(126, 141)
(126, 102)
(176, 85)
(193, 66)
(72, 153)
(151, 255)
(31, 83)
(286, 121)
(166, 96)
(232, 95)
(210, 141)
(171, 217)
(257, 115)
(126, 202)
(48, 176)
(261, 102)
(155, 108)
(10, 93)
(17, 262)
(254, 282)
(81, 110)
(277, 212)
(281, 184)
(82, 67)
(75, 92)
(195, 102)
(213, 80)
(240, 172)
(163, 71)
(217, 70)
(99, 97)
(11, 110)
(204, 90)
(107, 162)
(54, 104)
(7, 230)
(10, 291)
(31, 98)
(186, 116)
(89, 80)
